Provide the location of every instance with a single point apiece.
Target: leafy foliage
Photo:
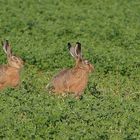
(39, 31)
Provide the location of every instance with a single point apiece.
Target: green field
(39, 30)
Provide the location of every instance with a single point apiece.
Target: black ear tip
(69, 45)
(78, 43)
(7, 42)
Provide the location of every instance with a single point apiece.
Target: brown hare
(10, 73)
(73, 80)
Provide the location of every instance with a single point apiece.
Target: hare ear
(71, 50)
(78, 49)
(7, 48)
(69, 45)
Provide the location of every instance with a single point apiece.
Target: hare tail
(49, 87)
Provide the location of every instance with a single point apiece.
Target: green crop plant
(39, 30)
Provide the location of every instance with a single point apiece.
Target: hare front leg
(78, 95)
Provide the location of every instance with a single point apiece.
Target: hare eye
(15, 58)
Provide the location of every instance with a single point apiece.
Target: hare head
(13, 61)
(81, 63)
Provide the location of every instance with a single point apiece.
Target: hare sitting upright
(73, 80)
(10, 73)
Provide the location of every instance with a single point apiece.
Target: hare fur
(10, 73)
(73, 80)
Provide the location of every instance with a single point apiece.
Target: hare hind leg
(59, 92)
(1, 86)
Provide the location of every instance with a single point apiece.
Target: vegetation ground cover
(39, 30)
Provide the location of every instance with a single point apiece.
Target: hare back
(8, 76)
(70, 80)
